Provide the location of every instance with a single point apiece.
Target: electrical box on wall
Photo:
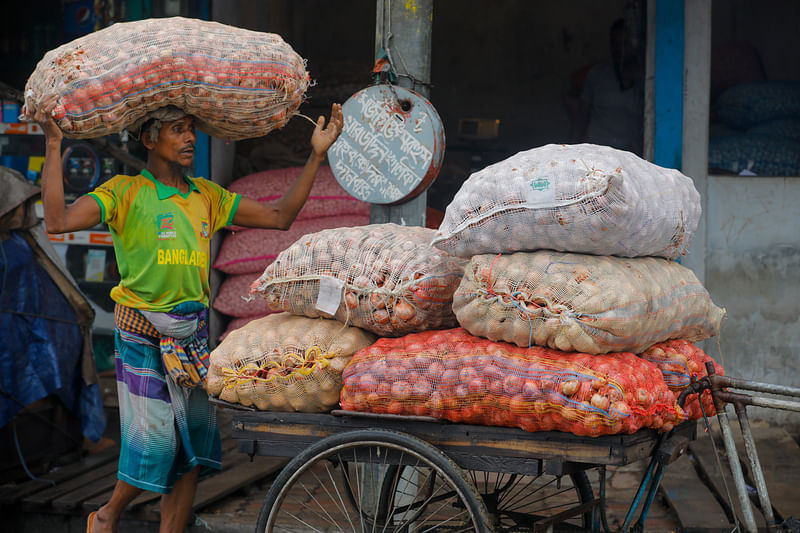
(478, 129)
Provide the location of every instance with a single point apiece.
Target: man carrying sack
(162, 222)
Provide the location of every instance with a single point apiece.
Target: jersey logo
(165, 227)
(204, 229)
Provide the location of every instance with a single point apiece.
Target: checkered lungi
(166, 430)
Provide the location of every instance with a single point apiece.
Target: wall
(510, 59)
(753, 270)
(771, 26)
(753, 251)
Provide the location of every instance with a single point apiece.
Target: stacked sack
(384, 278)
(467, 379)
(283, 362)
(339, 287)
(245, 253)
(527, 226)
(533, 282)
(237, 83)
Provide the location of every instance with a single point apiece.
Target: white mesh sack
(285, 363)
(384, 278)
(583, 303)
(576, 198)
(238, 83)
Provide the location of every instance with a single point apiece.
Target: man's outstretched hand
(324, 136)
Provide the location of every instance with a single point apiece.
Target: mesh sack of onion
(237, 83)
(580, 198)
(452, 375)
(385, 278)
(586, 303)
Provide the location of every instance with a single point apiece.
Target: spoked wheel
(372, 481)
(518, 502)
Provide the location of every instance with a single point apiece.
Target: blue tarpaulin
(41, 342)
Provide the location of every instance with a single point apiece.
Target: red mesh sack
(250, 251)
(679, 362)
(238, 83)
(233, 298)
(326, 199)
(453, 375)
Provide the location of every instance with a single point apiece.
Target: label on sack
(330, 294)
(541, 191)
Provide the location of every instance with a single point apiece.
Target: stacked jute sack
(349, 283)
(237, 83)
(570, 274)
(245, 252)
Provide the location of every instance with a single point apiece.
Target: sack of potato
(238, 83)
(584, 303)
(284, 363)
(574, 198)
(384, 278)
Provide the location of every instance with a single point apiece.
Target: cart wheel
(343, 482)
(516, 502)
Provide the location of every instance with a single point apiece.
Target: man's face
(176, 141)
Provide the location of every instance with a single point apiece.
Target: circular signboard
(391, 146)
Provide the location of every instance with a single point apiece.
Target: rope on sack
(313, 359)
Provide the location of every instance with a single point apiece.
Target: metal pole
(601, 508)
(640, 493)
(755, 465)
(404, 30)
(651, 495)
(736, 470)
(775, 404)
(758, 387)
(735, 397)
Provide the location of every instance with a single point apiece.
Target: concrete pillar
(649, 83)
(696, 102)
(404, 30)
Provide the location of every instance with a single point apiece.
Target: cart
(352, 471)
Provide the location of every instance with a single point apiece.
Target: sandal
(90, 521)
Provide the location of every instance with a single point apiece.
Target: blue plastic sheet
(40, 342)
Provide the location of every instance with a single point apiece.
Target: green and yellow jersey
(161, 237)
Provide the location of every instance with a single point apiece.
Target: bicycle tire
(346, 448)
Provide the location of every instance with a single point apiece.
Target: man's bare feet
(102, 523)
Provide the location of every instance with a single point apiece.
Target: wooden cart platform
(472, 447)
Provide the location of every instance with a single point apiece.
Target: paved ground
(238, 512)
